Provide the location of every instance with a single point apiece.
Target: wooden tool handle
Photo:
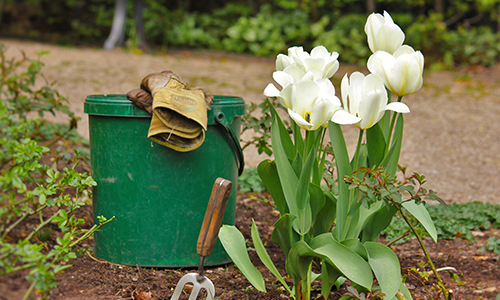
(213, 216)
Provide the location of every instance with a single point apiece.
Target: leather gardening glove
(179, 114)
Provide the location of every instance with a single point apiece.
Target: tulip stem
(391, 128)
(356, 155)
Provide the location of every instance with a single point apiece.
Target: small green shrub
(269, 32)
(41, 187)
(493, 244)
(249, 181)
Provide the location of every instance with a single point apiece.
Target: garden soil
(450, 136)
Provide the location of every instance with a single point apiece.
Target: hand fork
(206, 241)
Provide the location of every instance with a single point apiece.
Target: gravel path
(451, 134)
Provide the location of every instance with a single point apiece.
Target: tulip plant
(330, 235)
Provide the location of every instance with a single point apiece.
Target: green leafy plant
(249, 181)
(493, 244)
(41, 188)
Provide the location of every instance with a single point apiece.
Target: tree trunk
(117, 34)
(2, 4)
(371, 6)
(139, 26)
(438, 7)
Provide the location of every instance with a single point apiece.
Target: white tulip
(311, 104)
(402, 72)
(365, 98)
(320, 63)
(383, 34)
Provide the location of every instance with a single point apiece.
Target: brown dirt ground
(91, 278)
(450, 136)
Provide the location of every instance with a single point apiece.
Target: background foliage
(448, 32)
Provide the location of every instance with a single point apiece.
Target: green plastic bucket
(157, 195)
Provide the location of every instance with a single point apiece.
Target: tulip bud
(402, 72)
(383, 34)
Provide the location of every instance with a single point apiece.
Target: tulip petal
(342, 117)
(282, 78)
(405, 75)
(307, 92)
(398, 107)
(322, 113)
(295, 72)
(299, 120)
(282, 61)
(271, 91)
(287, 94)
(331, 68)
(372, 108)
(320, 52)
(315, 65)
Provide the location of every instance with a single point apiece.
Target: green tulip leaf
(356, 246)
(377, 221)
(385, 122)
(297, 164)
(392, 164)
(286, 140)
(287, 176)
(376, 145)
(304, 217)
(347, 261)
(324, 217)
(406, 293)
(385, 265)
(283, 233)
(297, 137)
(329, 275)
(343, 169)
(234, 243)
(422, 215)
(268, 173)
(264, 257)
(299, 260)
(317, 200)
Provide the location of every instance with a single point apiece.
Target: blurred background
(448, 32)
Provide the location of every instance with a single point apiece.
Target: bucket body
(157, 195)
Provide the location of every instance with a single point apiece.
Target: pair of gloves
(179, 113)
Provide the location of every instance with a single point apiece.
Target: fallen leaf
(486, 290)
(141, 295)
(480, 258)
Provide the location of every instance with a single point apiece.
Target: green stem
(30, 290)
(391, 128)
(16, 269)
(90, 232)
(407, 231)
(356, 155)
(427, 256)
(39, 227)
(21, 219)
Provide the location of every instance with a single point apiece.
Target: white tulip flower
(320, 63)
(383, 34)
(311, 104)
(365, 98)
(402, 72)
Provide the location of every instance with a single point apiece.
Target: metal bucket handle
(221, 119)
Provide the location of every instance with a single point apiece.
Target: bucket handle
(221, 119)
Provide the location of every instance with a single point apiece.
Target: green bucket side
(157, 195)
